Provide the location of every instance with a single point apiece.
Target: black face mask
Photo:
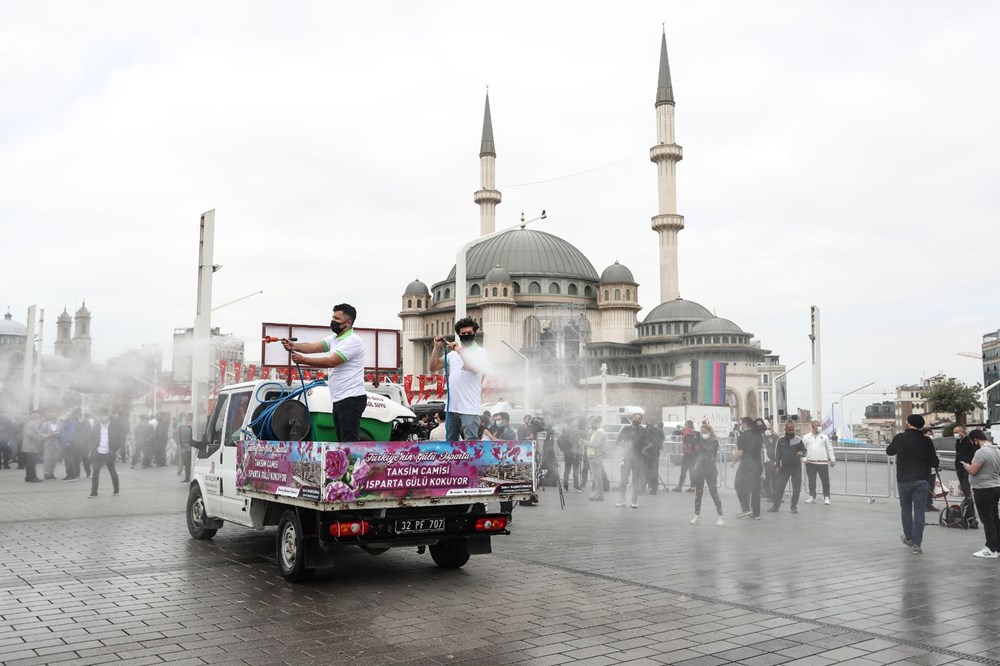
(336, 328)
(467, 339)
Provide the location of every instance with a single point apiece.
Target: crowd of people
(84, 443)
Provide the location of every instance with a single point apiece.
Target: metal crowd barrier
(947, 471)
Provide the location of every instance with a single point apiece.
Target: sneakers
(720, 522)
(826, 500)
(577, 490)
(690, 489)
(810, 500)
(795, 509)
(595, 498)
(986, 552)
(696, 519)
(773, 509)
(635, 505)
(91, 496)
(678, 489)
(917, 550)
(906, 542)
(743, 514)
(621, 504)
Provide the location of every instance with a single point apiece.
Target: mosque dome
(678, 310)
(617, 273)
(10, 327)
(527, 252)
(417, 288)
(497, 274)
(715, 325)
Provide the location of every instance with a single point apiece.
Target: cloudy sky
(842, 154)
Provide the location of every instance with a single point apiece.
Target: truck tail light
(351, 528)
(491, 524)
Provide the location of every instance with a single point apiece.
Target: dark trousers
(571, 463)
(28, 462)
(687, 460)
(160, 452)
(782, 476)
(653, 473)
(699, 489)
(584, 469)
(963, 480)
(748, 493)
(987, 501)
(6, 455)
(912, 501)
(143, 452)
(824, 477)
(102, 460)
(347, 417)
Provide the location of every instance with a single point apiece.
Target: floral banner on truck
(367, 471)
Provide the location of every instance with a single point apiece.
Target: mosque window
(475, 290)
(715, 339)
(447, 293)
(420, 303)
(517, 288)
(494, 291)
(437, 295)
(505, 292)
(660, 329)
(628, 294)
(588, 292)
(534, 288)
(554, 288)
(618, 294)
(409, 302)
(606, 295)
(572, 291)
(685, 328)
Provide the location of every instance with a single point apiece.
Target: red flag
(237, 372)
(222, 370)
(251, 372)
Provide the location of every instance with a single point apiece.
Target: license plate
(419, 525)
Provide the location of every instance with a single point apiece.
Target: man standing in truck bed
(346, 377)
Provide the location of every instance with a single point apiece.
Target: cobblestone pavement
(118, 580)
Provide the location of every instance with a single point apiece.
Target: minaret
(666, 154)
(80, 344)
(487, 196)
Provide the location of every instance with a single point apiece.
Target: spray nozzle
(270, 338)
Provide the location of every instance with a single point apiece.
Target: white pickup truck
(268, 458)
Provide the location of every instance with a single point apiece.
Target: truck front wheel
(450, 554)
(291, 550)
(197, 518)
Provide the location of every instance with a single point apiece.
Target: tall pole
(817, 402)
(527, 372)
(28, 370)
(38, 359)
(201, 355)
(604, 384)
(774, 387)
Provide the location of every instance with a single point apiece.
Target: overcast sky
(842, 154)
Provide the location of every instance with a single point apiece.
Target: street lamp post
(774, 386)
(461, 289)
(201, 354)
(860, 388)
(527, 372)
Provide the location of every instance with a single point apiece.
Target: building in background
(225, 347)
(910, 400)
(991, 374)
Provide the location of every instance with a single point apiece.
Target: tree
(951, 395)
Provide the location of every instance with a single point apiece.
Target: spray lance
(263, 422)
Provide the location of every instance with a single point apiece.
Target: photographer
(464, 363)
(633, 439)
(750, 456)
(567, 441)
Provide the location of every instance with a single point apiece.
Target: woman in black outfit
(749, 454)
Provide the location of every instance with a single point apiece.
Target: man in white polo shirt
(465, 365)
(347, 370)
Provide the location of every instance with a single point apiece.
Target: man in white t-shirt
(465, 364)
(346, 377)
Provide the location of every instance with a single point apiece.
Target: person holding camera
(464, 363)
(634, 440)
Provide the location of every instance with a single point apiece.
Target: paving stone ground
(118, 580)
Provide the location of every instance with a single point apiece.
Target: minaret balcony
(486, 196)
(668, 222)
(666, 152)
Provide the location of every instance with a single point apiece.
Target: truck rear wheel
(291, 549)
(196, 515)
(450, 554)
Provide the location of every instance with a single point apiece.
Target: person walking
(72, 456)
(52, 451)
(819, 461)
(750, 456)
(104, 447)
(567, 443)
(965, 450)
(984, 478)
(346, 369)
(704, 472)
(596, 448)
(689, 451)
(916, 460)
(654, 446)
(32, 444)
(633, 441)
(788, 452)
(464, 363)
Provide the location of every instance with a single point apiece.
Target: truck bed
(333, 476)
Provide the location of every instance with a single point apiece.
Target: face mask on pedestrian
(958, 435)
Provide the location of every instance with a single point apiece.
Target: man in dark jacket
(633, 440)
(916, 460)
(788, 453)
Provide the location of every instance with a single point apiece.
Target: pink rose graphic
(360, 472)
(340, 492)
(336, 463)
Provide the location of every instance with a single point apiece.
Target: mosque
(536, 293)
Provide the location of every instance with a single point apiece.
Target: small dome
(677, 310)
(497, 274)
(417, 288)
(715, 325)
(617, 273)
(10, 327)
(83, 311)
(64, 316)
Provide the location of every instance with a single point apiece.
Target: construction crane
(975, 355)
